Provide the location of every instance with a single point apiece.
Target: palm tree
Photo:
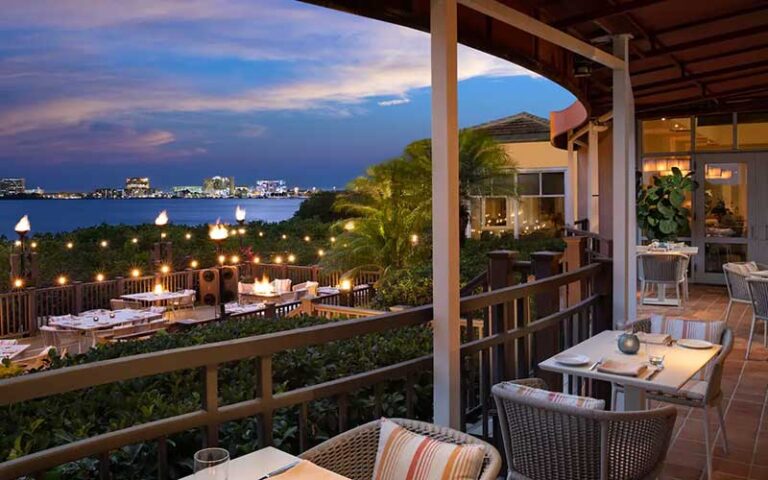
(484, 169)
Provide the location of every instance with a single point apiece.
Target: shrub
(35, 425)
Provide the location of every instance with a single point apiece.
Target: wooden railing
(22, 312)
(597, 246)
(524, 323)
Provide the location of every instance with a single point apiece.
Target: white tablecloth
(105, 319)
(12, 350)
(152, 297)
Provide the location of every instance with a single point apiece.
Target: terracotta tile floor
(745, 386)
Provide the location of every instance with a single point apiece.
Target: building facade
(541, 172)
(137, 187)
(219, 186)
(12, 186)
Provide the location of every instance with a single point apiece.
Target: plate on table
(572, 359)
(694, 343)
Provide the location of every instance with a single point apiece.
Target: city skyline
(272, 89)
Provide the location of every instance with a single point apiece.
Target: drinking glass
(655, 354)
(211, 464)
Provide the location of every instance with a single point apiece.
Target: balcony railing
(520, 325)
(22, 312)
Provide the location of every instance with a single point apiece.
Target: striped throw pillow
(407, 455)
(679, 328)
(554, 397)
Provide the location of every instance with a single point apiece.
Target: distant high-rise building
(12, 186)
(219, 185)
(137, 186)
(268, 188)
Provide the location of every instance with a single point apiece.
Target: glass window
(537, 213)
(752, 130)
(725, 199)
(496, 212)
(528, 183)
(553, 183)
(667, 135)
(660, 166)
(476, 214)
(716, 254)
(714, 132)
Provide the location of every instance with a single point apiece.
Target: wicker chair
(736, 274)
(663, 270)
(758, 294)
(353, 453)
(547, 441)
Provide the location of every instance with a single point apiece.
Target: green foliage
(661, 213)
(35, 425)
(319, 206)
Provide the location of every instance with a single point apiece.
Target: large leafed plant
(661, 211)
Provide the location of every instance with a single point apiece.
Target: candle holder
(629, 343)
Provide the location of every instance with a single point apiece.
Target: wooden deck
(745, 385)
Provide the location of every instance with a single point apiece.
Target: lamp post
(162, 251)
(240, 217)
(23, 268)
(218, 233)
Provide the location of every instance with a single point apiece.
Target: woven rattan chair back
(663, 267)
(758, 290)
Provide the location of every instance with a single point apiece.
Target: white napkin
(654, 338)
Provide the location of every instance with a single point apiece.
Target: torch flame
(218, 231)
(239, 214)
(162, 219)
(263, 287)
(23, 226)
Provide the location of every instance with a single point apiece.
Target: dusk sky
(92, 91)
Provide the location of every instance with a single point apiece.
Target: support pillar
(592, 182)
(445, 214)
(624, 213)
(571, 186)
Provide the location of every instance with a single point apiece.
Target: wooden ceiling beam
(703, 58)
(757, 8)
(701, 75)
(703, 42)
(597, 14)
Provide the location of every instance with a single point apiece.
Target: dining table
(661, 296)
(259, 464)
(98, 319)
(152, 298)
(680, 365)
(11, 349)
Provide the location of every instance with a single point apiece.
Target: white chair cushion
(554, 397)
(695, 389)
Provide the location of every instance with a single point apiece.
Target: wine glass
(655, 354)
(211, 464)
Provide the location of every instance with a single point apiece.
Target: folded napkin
(617, 367)
(654, 338)
(309, 471)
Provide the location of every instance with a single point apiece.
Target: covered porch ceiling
(685, 58)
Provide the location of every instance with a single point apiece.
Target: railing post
(31, 311)
(120, 286)
(269, 310)
(265, 392)
(211, 403)
(78, 286)
(315, 273)
(575, 258)
(546, 342)
(501, 275)
(603, 320)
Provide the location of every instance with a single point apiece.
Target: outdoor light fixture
(278, 259)
(218, 233)
(23, 226)
(21, 262)
(62, 280)
(70, 245)
(193, 264)
(415, 239)
(222, 259)
(261, 234)
(291, 258)
(163, 235)
(188, 236)
(17, 243)
(104, 244)
(233, 232)
(158, 288)
(346, 285)
(162, 219)
(18, 283)
(349, 226)
(333, 239)
(284, 236)
(135, 273)
(306, 238)
(256, 260)
(134, 240)
(321, 253)
(99, 277)
(235, 259)
(33, 245)
(165, 269)
(240, 214)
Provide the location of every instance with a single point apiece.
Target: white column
(592, 181)
(445, 215)
(571, 186)
(624, 221)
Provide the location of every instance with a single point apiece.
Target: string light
(134, 240)
(278, 259)
(158, 289)
(235, 259)
(33, 244)
(70, 245)
(291, 258)
(414, 239)
(104, 244)
(333, 239)
(233, 232)
(306, 238)
(349, 226)
(163, 235)
(188, 236)
(321, 253)
(135, 273)
(241, 231)
(100, 277)
(18, 283)
(284, 236)
(256, 260)
(346, 284)
(17, 243)
(193, 264)
(62, 280)
(261, 234)
(222, 259)
(165, 269)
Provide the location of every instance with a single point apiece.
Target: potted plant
(661, 214)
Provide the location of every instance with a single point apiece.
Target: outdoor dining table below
(99, 319)
(152, 298)
(11, 348)
(680, 365)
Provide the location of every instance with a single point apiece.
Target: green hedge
(39, 424)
